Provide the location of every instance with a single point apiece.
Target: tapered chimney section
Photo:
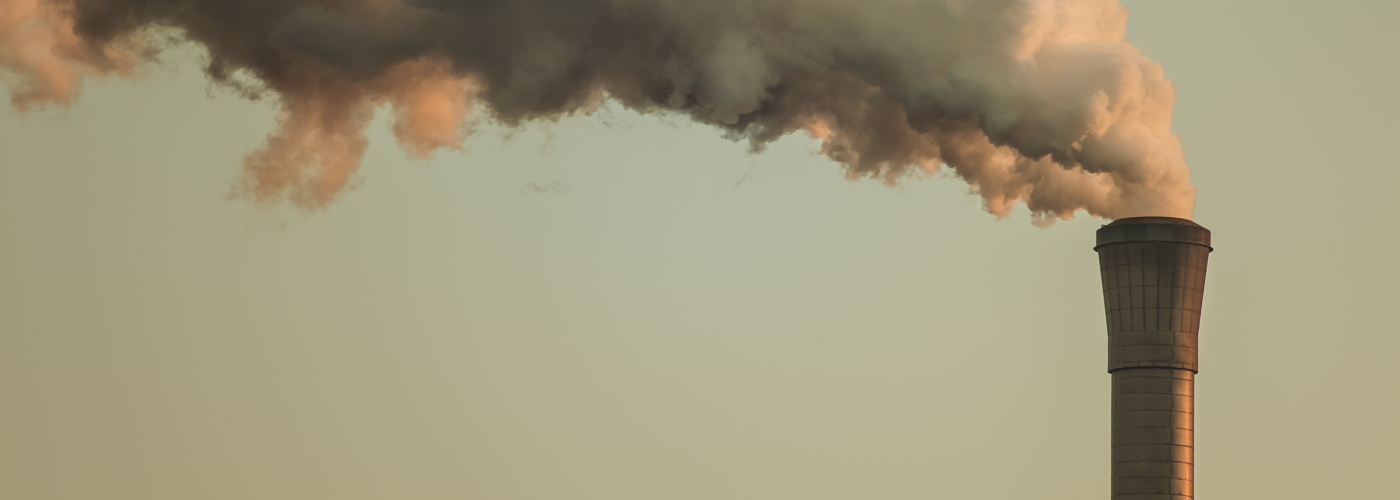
(1154, 273)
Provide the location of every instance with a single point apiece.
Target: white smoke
(1041, 102)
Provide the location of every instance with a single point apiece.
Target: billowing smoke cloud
(1041, 102)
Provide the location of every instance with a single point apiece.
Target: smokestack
(1154, 273)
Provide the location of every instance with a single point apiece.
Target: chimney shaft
(1153, 271)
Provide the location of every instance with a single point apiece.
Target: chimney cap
(1144, 229)
(1154, 220)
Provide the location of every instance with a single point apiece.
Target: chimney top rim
(1152, 229)
(1176, 221)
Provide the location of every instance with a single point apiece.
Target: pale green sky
(650, 327)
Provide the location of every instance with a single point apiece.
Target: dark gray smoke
(1037, 101)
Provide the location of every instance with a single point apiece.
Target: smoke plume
(1042, 102)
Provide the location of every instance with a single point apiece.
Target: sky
(618, 306)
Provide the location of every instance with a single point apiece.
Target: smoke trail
(1041, 102)
(43, 60)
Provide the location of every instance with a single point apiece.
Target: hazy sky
(624, 307)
